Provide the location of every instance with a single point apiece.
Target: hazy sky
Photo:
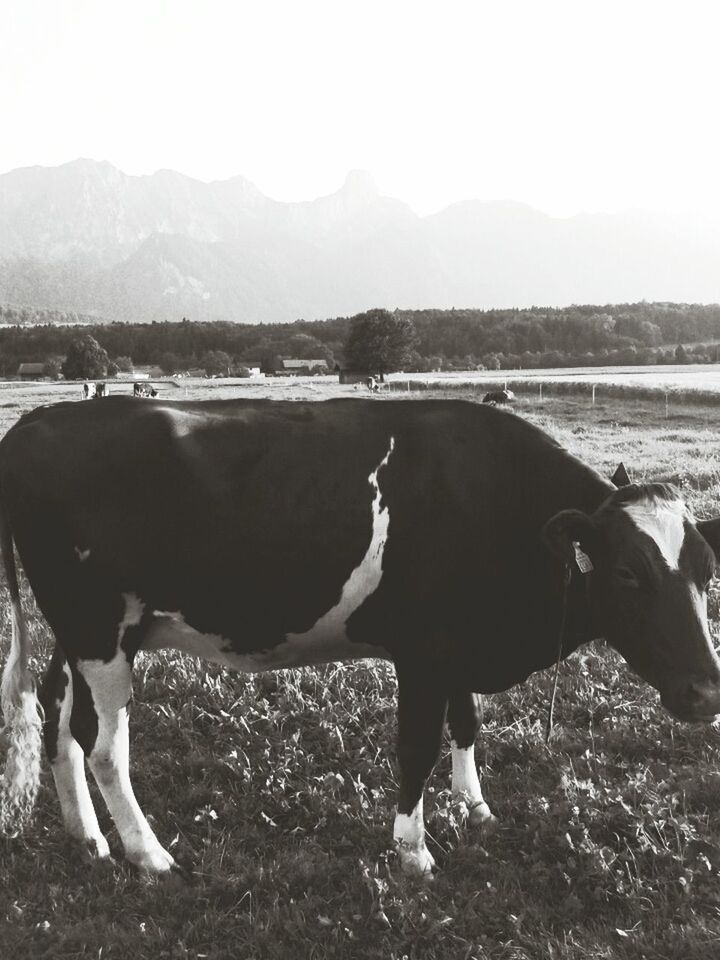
(565, 105)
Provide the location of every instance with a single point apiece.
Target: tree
(53, 367)
(216, 363)
(379, 342)
(124, 364)
(681, 354)
(170, 362)
(85, 360)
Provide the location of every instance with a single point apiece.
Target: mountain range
(86, 237)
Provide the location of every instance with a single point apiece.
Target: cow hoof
(155, 863)
(416, 861)
(482, 817)
(95, 849)
(91, 849)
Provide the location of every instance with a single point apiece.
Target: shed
(31, 371)
(300, 367)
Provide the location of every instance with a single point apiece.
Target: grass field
(277, 791)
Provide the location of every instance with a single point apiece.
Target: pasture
(276, 791)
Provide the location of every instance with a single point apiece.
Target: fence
(546, 389)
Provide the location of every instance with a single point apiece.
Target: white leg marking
(69, 774)
(466, 783)
(110, 685)
(664, 522)
(409, 837)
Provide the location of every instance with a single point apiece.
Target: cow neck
(574, 627)
(578, 627)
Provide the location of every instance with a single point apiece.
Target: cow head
(647, 591)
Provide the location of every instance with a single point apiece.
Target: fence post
(541, 392)
(593, 394)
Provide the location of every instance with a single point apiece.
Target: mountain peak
(360, 183)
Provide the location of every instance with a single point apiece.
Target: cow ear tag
(582, 559)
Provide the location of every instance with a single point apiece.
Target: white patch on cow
(409, 837)
(111, 687)
(82, 555)
(699, 605)
(68, 769)
(325, 642)
(664, 522)
(466, 784)
(134, 608)
(363, 581)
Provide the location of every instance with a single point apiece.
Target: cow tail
(21, 710)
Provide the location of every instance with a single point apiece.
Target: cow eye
(626, 578)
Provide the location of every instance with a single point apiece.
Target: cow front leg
(67, 761)
(464, 722)
(421, 719)
(101, 727)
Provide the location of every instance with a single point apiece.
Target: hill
(88, 239)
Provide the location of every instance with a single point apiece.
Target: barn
(31, 371)
(302, 368)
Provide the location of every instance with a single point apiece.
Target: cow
(499, 396)
(468, 548)
(144, 390)
(101, 390)
(372, 384)
(88, 391)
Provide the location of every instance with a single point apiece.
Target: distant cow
(101, 390)
(467, 547)
(499, 396)
(372, 384)
(144, 390)
(89, 390)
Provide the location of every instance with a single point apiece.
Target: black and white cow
(144, 390)
(279, 534)
(499, 396)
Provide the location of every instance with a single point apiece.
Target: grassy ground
(277, 792)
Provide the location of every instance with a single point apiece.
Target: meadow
(276, 792)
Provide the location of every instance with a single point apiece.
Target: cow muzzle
(698, 701)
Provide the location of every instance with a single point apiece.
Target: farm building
(147, 373)
(252, 366)
(31, 371)
(303, 367)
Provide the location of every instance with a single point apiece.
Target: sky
(568, 106)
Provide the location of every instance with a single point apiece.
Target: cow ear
(710, 529)
(620, 478)
(567, 528)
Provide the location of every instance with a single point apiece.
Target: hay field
(277, 791)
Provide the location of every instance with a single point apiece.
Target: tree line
(433, 339)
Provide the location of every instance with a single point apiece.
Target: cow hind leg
(67, 760)
(463, 718)
(421, 718)
(101, 726)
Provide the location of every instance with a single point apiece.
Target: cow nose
(703, 698)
